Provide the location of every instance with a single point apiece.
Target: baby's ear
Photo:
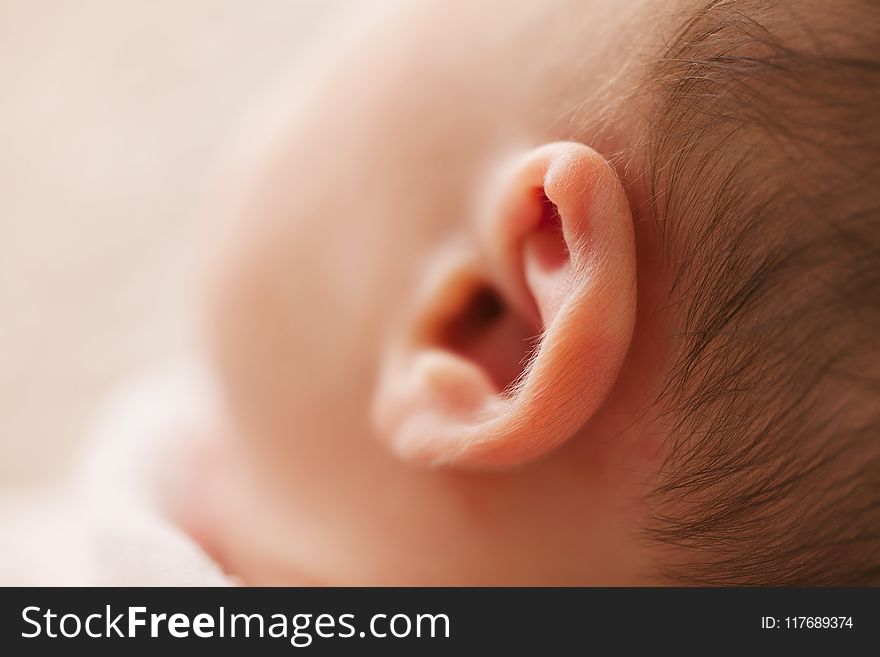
(516, 344)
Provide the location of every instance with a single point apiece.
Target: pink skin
(372, 439)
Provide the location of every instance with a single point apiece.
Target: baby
(563, 293)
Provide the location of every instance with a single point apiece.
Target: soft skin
(385, 427)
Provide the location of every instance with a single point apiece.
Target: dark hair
(765, 170)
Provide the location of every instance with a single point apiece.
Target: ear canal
(486, 331)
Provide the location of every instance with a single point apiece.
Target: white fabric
(104, 525)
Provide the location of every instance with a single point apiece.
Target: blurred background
(111, 116)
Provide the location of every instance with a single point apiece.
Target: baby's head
(569, 292)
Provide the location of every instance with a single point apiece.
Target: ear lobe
(516, 345)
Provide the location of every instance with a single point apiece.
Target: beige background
(111, 115)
